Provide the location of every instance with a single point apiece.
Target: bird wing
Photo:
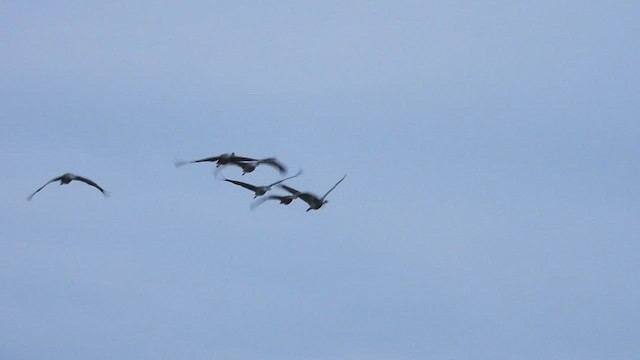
(42, 187)
(234, 158)
(243, 184)
(287, 178)
(334, 186)
(90, 182)
(261, 200)
(208, 159)
(307, 197)
(291, 190)
(275, 163)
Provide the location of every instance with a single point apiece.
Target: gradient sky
(491, 208)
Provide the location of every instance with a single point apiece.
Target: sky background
(491, 207)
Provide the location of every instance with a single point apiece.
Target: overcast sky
(490, 211)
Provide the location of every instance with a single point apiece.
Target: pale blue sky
(490, 210)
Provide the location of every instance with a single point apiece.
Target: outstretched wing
(42, 187)
(291, 190)
(90, 182)
(334, 186)
(287, 178)
(208, 159)
(307, 197)
(234, 158)
(274, 163)
(182, 163)
(243, 184)
(261, 200)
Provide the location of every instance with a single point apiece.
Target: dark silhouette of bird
(69, 177)
(222, 159)
(284, 200)
(313, 200)
(249, 166)
(260, 190)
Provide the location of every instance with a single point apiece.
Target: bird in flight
(314, 201)
(249, 166)
(260, 190)
(67, 178)
(284, 200)
(222, 159)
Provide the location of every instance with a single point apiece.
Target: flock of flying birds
(247, 165)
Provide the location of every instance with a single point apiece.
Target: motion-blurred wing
(309, 198)
(240, 158)
(287, 178)
(291, 190)
(243, 184)
(209, 159)
(261, 200)
(276, 164)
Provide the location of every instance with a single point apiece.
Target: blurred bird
(249, 166)
(67, 178)
(222, 159)
(284, 200)
(314, 201)
(260, 190)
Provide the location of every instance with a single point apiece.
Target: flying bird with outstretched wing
(222, 159)
(260, 190)
(249, 166)
(67, 178)
(313, 200)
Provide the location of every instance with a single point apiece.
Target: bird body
(313, 200)
(69, 177)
